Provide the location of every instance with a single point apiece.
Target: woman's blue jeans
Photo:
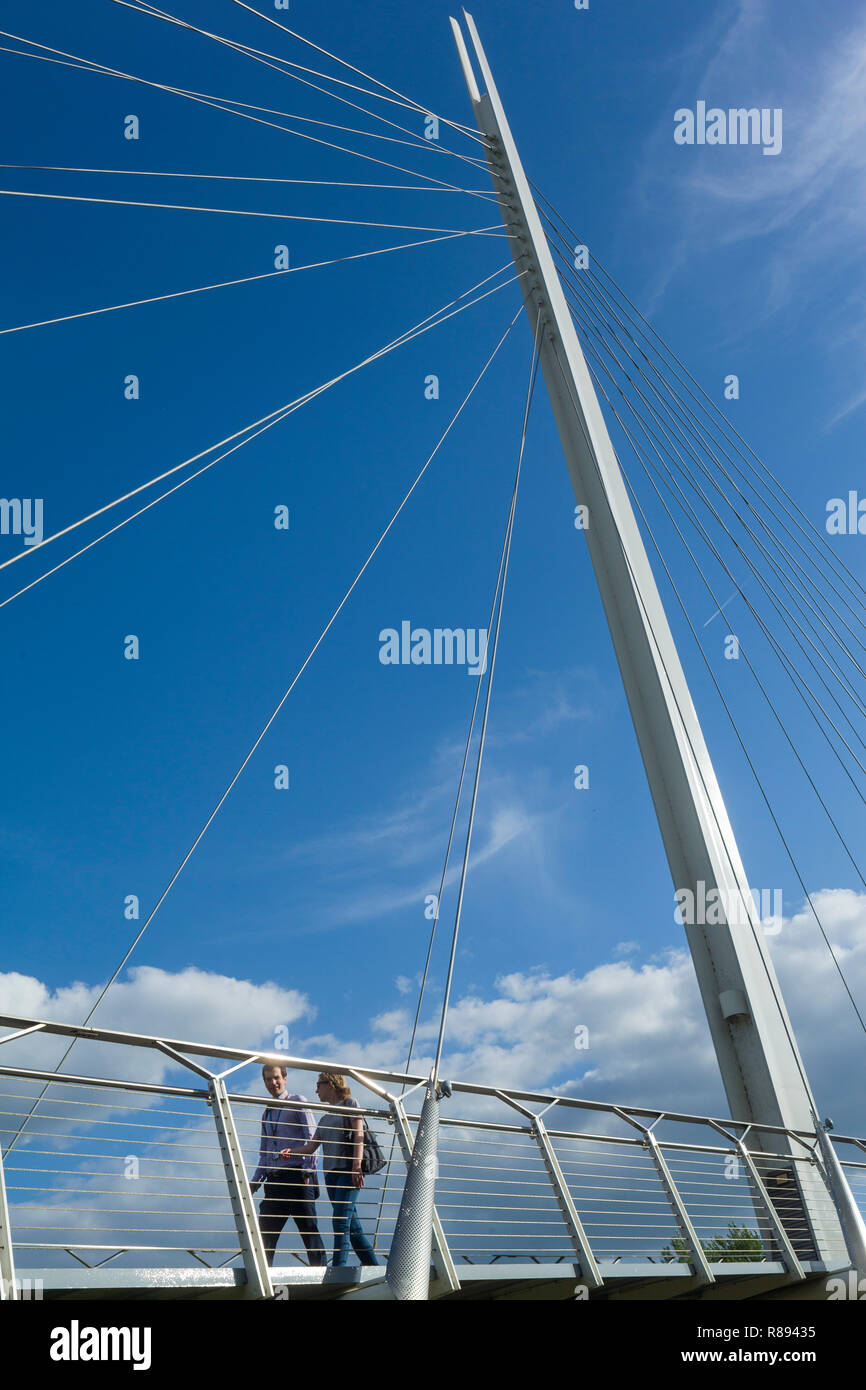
(347, 1227)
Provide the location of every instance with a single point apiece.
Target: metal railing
(114, 1169)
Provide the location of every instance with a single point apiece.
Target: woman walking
(342, 1141)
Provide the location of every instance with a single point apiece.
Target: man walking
(290, 1184)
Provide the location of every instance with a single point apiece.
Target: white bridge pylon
(763, 1073)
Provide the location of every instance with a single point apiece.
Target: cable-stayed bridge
(129, 1189)
(491, 1192)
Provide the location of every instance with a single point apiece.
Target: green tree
(738, 1244)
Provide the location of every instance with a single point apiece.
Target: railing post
(589, 1269)
(789, 1254)
(590, 1272)
(442, 1262)
(8, 1286)
(689, 1234)
(700, 1264)
(243, 1207)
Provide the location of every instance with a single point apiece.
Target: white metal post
(446, 1270)
(789, 1254)
(246, 1218)
(589, 1269)
(8, 1286)
(762, 1198)
(700, 1264)
(850, 1215)
(761, 1068)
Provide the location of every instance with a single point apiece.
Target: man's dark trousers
(289, 1198)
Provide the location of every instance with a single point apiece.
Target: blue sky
(315, 895)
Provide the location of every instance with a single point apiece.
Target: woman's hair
(337, 1080)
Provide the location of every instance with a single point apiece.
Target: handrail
(398, 1078)
(508, 1189)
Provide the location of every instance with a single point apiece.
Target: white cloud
(648, 1038)
(191, 1005)
(391, 862)
(648, 1045)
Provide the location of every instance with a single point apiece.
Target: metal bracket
(184, 1061)
(22, 1033)
(246, 1217)
(372, 1085)
(238, 1066)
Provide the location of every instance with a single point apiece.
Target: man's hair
(337, 1080)
(274, 1066)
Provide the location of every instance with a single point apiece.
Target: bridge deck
(527, 1280)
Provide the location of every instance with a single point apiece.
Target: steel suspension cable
(154, 12)
(764, 794)
(709, 408)
(509, 531)
(442, 880)
(686, 419)
(225, 284)
(439, 896)
(797, 680)
(273, 61)
(756, 572)
(102, 70)
(432, 321)
(494, 231)
(413, 105)
(644, 461)
(300, 671)
(763, 582)
(743, 888)
(289, 410)
(249, 178)
(823, 552)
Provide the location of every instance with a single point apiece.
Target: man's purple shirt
(284, 1127)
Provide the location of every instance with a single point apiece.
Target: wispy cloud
(388, 860)
(808, 206)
